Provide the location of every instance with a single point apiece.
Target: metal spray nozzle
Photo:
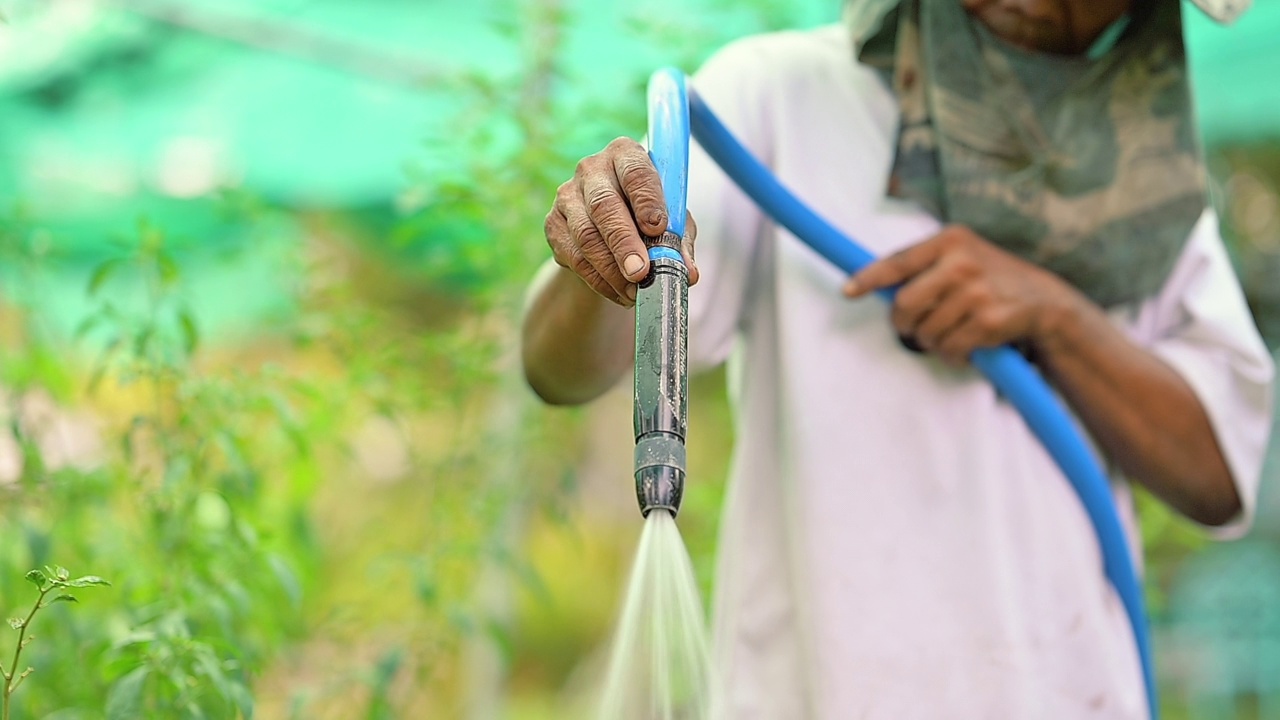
(661, 378)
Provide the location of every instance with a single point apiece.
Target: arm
(1139, 410)
(578, 334)
(575, 344)
(960, 293)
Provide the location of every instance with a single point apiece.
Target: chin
(1034, 35)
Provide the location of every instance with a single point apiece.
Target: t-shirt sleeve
(729, 224)
(1205, 332)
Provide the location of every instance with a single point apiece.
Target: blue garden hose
(674, 111)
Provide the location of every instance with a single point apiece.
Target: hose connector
(661, 377)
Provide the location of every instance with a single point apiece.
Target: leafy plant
(46, 581)
(175, 498)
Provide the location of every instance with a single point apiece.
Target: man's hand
(578, 337)
(595, 224)
(959, 293)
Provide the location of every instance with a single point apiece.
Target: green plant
(176, 498)
(46, 581)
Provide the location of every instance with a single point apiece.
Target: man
(895, 543)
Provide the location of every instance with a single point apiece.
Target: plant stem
(9, 685)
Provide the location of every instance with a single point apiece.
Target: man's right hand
(595, 226)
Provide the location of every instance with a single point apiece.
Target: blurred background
(261, 266)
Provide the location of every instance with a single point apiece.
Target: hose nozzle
(661, 377)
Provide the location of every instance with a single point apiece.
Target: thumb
(686, 248)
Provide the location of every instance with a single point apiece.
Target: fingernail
(631, 292)
(851, 288)
(633, 264)
(656, 218)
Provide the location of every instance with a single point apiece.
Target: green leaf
(150, 238)
(63, 598)
(500, 634)
(124, 701)
(57, 572)
(243, 699)
(427, 590)
(37, 578)
(102, 274)
(17, 623)
(287, 579)
(87, 325)
(87, 581)
(167, 269)
(387, 667)
(190, 336)
(99, 374)
(134, 638)
(141, 341)
(211, 666)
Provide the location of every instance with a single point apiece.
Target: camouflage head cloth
(1087, 166)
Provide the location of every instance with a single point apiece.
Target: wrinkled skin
(595, 223)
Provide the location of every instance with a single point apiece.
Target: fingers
(945, 301)
(929, 304)
(893, 270)
(686, 247)
(609, 213)
(919, 297)
(556, 228)
(980, 329)
(590, 244)
(942, 319)
(966, 320)
(639, 182)
(567, 255)
(600, 217)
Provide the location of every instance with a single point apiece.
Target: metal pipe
(661, 382)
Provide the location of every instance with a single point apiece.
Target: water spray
(662, 303)
(661, 382)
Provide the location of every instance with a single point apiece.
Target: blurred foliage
(1247, 195)
(184, 501)
(203, 496)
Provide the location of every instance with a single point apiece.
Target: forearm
(575, 344)
(1144, 416)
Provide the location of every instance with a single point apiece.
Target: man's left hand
(959, 292)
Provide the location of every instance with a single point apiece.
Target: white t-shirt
(896, 544)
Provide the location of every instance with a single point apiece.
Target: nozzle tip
(660, 463)
(659, 486)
